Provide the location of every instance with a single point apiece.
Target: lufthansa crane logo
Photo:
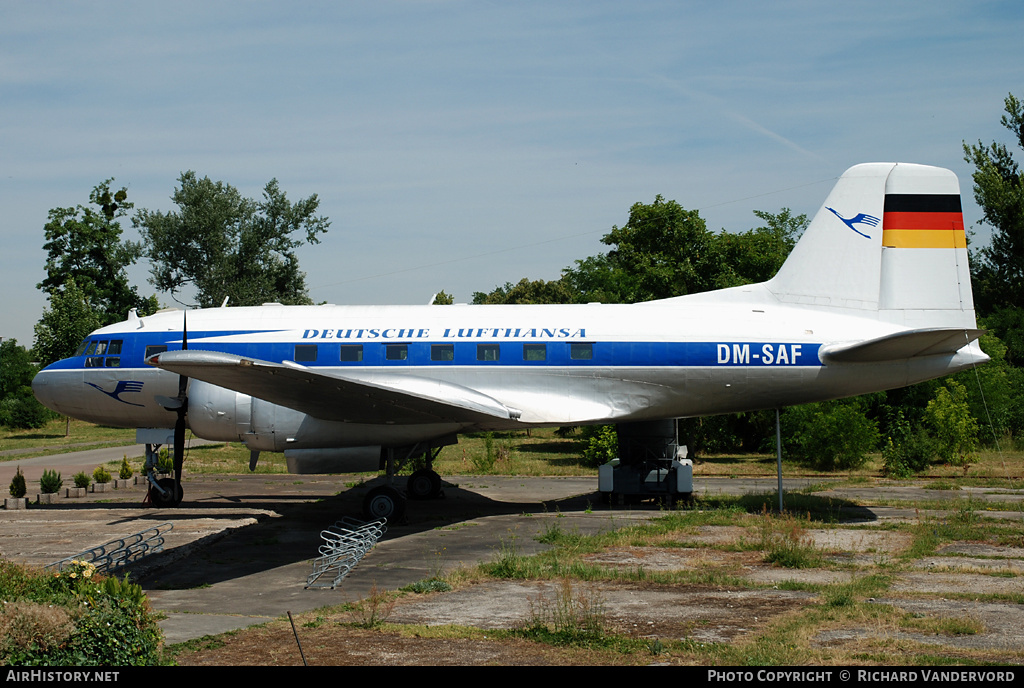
(858, 219)
(123, 387)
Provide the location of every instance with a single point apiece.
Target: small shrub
(906, 451)
(125, 471)
(164, 462)
(74, 618)
(956, 430)
(18, 486)
(51, 482)
(830, 435)
(101, 475)
(82, 479)
(600, 444)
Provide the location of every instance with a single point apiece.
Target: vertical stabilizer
(888, 243)
(837, 262)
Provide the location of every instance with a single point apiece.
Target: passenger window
(397, 352)
(581, 352)
(442, 352)
(155, 349)
(351, 353)
(114, 349)
(113, 361)
(305, 353)
(487, 352)
(535, 352)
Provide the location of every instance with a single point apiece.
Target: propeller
(182, 411)
(172, 492)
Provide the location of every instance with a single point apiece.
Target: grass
(59, 437)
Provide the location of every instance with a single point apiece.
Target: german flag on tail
(923, 221)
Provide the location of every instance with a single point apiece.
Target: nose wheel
(169, 494)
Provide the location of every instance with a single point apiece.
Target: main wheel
(173, 496)
(384, 502)
(423, 484)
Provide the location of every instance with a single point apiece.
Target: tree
(84, 243)
(527, 291)
(998, 269)
(665, 250)
(64, 324)
(225, 245)
(756, 255)
(18, 407)
(442, 298)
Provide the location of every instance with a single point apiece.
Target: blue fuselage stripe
(559, 353)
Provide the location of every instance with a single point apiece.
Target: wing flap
(901, 345)
(390, 398)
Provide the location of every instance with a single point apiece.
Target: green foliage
(955, 429)
(226, 245)
(84, 245)
(74, 618)
(600, 444)
(164, 462)
(442, 298)
(527, 292)
(101, 475)
(664, 251)
(65, 323)
(906, 450)
(125, 471)
(999, 190)
(573, 616)
(18, 487)
(50, 482)
(831, 435)
(82, 479)
(18, 406)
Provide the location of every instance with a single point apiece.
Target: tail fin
(889, 242)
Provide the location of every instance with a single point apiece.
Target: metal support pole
(778, 454)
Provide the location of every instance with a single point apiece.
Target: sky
(461, 145)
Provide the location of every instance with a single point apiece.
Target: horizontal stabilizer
(336, 397)
(902, 345)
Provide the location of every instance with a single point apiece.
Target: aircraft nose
(50, 387)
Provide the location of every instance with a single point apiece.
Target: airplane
(875, 295)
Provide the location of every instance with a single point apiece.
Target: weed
(375, 609)
(428, 585)
(782, 541)
(574, 617)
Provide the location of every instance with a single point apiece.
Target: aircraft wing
(398, 399)
(901, 345)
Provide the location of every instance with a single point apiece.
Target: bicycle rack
(345, 544)
(112, 556)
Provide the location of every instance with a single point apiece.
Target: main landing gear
(651, 464)
(386, 501)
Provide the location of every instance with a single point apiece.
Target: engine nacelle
(311, 445)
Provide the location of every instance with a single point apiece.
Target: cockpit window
(114, 348)
(91, 349)
(80, 351)
(101, 348)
